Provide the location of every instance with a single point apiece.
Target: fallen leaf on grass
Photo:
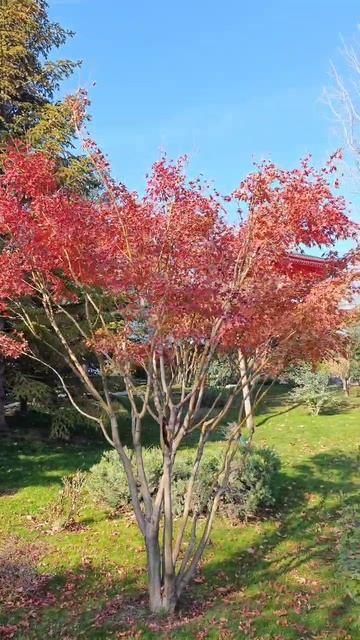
(8, 630)
(202, 635)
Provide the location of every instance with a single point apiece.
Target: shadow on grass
(341, 406)
(35, 463)
(309, 503)
(288, 409)
(85, 602)
(29, 458)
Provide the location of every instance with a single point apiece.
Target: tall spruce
(29, 110)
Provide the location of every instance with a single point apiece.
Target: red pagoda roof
(302, 262)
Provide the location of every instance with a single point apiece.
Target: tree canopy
(165, 283)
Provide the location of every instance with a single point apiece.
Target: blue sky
(227, 82)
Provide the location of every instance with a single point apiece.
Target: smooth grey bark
(154, 571)
(345, 385)
(246, 390)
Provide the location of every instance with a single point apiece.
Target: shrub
(63, 423)
(251, 486)
(222, 371)
(203, 486)
(252, 483)
(312, 388)
(181, 474)
(67, 506)
(107, 482)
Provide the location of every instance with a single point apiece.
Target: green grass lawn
(275, 579)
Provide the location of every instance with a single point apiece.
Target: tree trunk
(162, 599)
(23, 406)
(345, 384)
(3, 424)
(154, 573)
(169, 595)
(246, 393)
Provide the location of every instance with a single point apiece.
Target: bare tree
(343, 100)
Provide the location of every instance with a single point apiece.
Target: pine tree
(29, 81)
(28, 78)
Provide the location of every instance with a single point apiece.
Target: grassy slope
(265, 580)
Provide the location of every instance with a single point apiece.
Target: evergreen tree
(29, 81)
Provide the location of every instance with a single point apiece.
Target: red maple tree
(164, 282)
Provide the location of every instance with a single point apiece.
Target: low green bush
(251, 489)
(223, 370)
(107, 483)
(311, 388)
(252, 483)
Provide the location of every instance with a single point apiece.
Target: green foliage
(349, 549)
(204, 486)
(28, 78)
(47, 408)
(36, 392)
(251, 487)
(355, 364)
(107, 482)
(64, 422)
(153, 462)
(41, 397)
(353, 351)
(312, 388)
(252, 483)
(222, 371)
